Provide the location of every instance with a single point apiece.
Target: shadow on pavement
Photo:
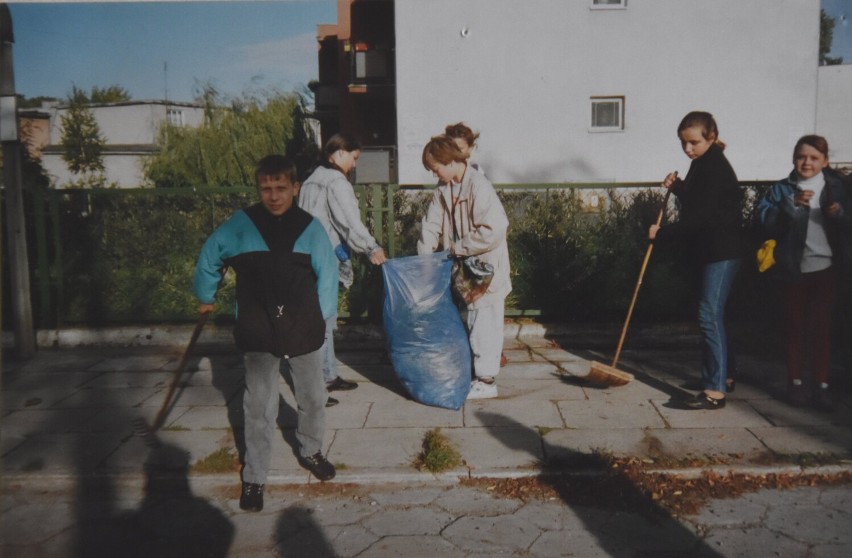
(299, 536)
(170, 521)
(612, 508)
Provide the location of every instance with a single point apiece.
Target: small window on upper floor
(607, 114)
(175, 117)
(609, 4)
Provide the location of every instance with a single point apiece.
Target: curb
(59, 481)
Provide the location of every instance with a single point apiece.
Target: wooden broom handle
(639, 283)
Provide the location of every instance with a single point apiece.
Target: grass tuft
(223, 460)
(438, 454)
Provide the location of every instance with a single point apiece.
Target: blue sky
(151, 48)
(841, 11)
(157, 48)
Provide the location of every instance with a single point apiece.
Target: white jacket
(481, 224)
(328, 196)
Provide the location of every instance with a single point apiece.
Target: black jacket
(711, 210)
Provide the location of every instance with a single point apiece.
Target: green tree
(826, 37)
(82, 141)
(234, 135)
(111, 94)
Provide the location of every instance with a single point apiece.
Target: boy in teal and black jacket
(286, 288)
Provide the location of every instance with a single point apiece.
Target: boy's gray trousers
(260, 407)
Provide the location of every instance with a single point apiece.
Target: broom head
(604, 374)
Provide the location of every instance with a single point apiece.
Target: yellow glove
(765, 255)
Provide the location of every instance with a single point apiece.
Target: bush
(128, 256)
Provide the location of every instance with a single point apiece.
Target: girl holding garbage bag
(711, 206)
(328, 195)
(809, 216)
(466, 218)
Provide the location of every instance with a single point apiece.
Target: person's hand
(670, 180)
(378, 257)
(205, 308)
(652, 231)
(833, 210)
(803, 198)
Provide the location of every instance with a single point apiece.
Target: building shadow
(612, 508)
(299, 535)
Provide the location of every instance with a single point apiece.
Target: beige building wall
(524, 74)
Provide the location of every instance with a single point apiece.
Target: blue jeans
(717, 278)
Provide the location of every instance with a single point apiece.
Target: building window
(175, 117)
(609, 4)
(607, 114)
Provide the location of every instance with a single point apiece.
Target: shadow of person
(612, 508)
(299, 536)
(170, 521)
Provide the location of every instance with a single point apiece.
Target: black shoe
(698, 385)
(339, 384)
(331, 402)
(251, 498)
(823, 401)
(704, 401)
(318, 465)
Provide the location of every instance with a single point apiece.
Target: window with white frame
(608, 4)
(607, 114)
(175, 117)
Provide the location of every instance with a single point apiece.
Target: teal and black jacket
(286, 278)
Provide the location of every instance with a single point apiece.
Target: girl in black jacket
(711, 203)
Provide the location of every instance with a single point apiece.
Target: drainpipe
(22, 313)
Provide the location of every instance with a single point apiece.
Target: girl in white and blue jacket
(328, 196)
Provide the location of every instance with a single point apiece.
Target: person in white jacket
(328, 195)
(466, 217)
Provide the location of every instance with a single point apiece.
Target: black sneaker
(251, 498)
(339, 384)
(318, 465)
(331, 402)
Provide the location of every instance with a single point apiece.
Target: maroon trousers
(808, 305)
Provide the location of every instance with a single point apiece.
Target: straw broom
(609, 374)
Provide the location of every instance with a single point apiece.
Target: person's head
(341, 151)
(464, 137)
(277, 183)
(810, 156)
(444, 159)
(697, 132)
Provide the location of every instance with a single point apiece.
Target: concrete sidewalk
(69, 413)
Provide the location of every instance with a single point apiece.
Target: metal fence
(126, 256)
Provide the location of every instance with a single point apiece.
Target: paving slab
(792, 440)
(609, 414)
(509, 412)
(735, 413)
(486, 450)
(565, 445)
(406, 413)
(376, 448)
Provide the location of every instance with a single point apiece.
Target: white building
(834, 112)
(593, 90)
(130, 129)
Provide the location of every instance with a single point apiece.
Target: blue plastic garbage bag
(426, 338)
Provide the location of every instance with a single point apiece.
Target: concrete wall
(523, 73)
(834, 112)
